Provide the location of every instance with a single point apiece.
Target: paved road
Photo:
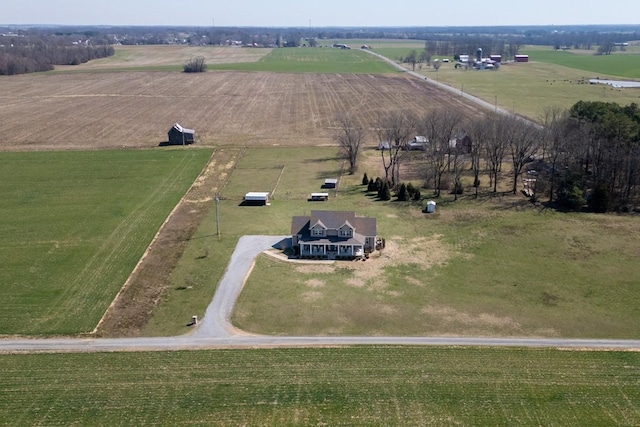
(215, 329)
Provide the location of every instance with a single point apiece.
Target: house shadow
(283, 244)
(252, 203)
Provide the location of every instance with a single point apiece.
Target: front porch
(330, 251)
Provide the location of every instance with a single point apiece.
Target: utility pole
(217, 215)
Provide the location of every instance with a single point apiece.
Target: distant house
(333, 235)
(181, 136)
(418, 143)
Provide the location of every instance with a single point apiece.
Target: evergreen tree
(365, 179)
(403, 194)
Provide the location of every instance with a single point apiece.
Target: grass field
(489, 267)
(74, 225)
(313, 60)
(528, 88)
(323, 386)
(618, 64)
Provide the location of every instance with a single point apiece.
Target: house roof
(334, 220)
(183, 130)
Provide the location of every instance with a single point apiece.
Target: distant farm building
(496, 58)
(522, 58)
(181, 136)
(256, 198)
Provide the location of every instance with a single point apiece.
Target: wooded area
(20, 54)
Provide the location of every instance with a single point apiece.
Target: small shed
(319, 197)
(256, 198)
(181, 136)
(522, 58)
(431, 206)
(330, 183)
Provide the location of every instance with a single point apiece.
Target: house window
(345, 232)
(317, 232)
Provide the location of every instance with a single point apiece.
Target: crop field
(323, 386)
(74, 225)
(166, 57)
(136, 109)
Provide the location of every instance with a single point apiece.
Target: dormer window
(317, 232)
(345, 232)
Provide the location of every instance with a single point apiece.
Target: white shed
(257, 198)
(431, 206)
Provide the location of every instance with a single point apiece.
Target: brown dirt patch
(134, 305)
(136, 109)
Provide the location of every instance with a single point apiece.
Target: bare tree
(394, 129)
(440, 127)
(478, 132)
(495, 147)
(349, 137)
(523, 141)
(555, 138)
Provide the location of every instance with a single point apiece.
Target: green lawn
(323, 386)
(477, 267)
(313, 60)
(74, 224)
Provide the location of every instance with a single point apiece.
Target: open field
(313, 60)
(494, 267)
(166, 58)
(619, 64)
(323, 386)
(108, 110)
(528, 88)
(74, 225)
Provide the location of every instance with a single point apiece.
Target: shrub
(403, 194)
(365, 179)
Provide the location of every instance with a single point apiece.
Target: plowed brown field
(136, 109)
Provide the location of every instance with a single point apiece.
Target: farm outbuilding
(522, 58)
(319, 197)
(330, 183)
(431, 206)
(181, 136)
(256, 198)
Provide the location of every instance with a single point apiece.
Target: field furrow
(136, 109)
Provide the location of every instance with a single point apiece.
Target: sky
(325, 13)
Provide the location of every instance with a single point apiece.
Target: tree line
(586, 157)
(21, 55)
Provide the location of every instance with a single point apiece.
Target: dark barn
(181, 136)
